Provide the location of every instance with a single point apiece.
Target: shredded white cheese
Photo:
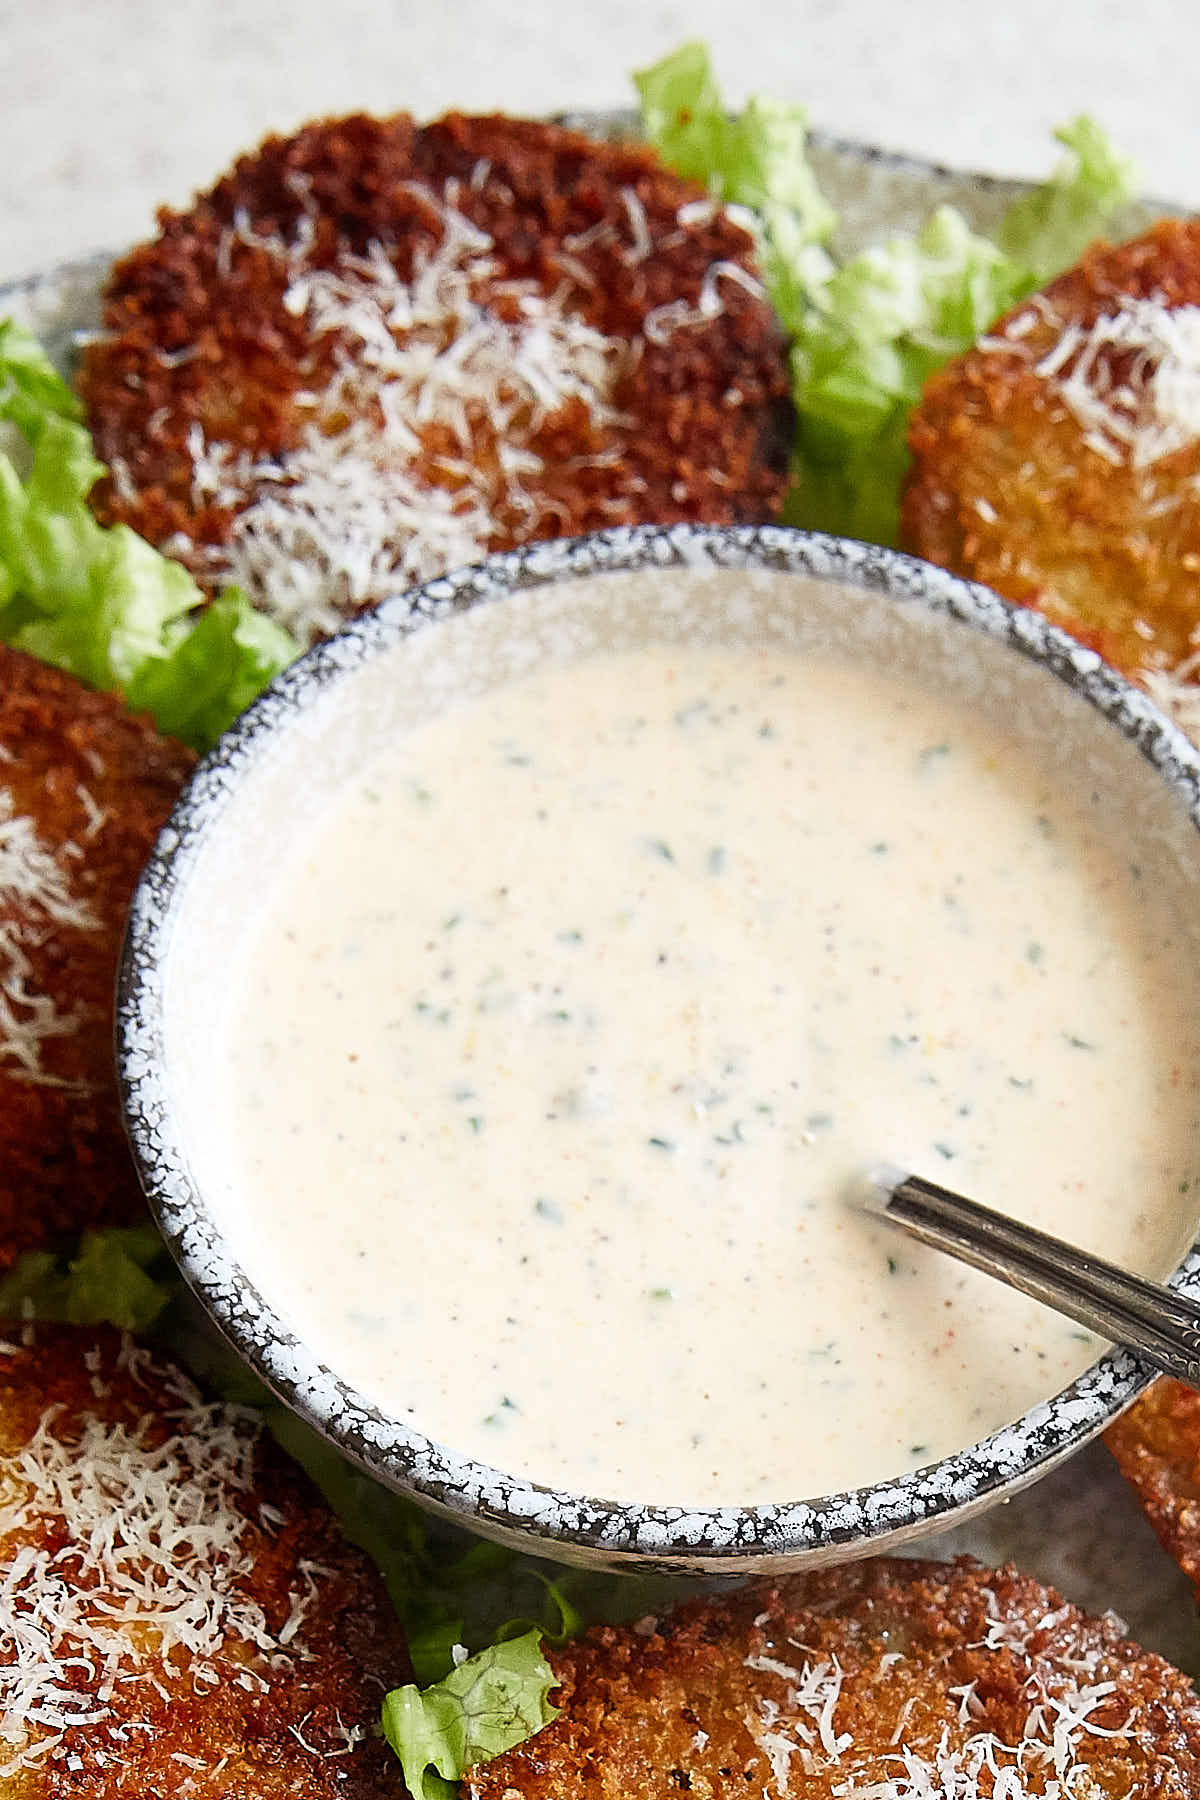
(418, 445)
(121, 1553)
(1043, 1764)
(664, 321)
(814, 1689)
(1132, 380)
(36, 897)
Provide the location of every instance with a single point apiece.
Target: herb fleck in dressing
(563, 1038)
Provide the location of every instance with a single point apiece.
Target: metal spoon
(1160, 1324)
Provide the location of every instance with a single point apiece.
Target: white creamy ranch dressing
(563, 1036)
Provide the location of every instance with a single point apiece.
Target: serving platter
(1080, 1528)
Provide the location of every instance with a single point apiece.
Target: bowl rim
(767, 1538)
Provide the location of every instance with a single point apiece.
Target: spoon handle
(1160, 1324)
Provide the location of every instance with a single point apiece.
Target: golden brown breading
(881, 1681)
(84, 787)
(179, 1615)
(1059, 460)
(375, 351)
(1157, 1445)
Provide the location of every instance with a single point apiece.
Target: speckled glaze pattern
(766, 1539)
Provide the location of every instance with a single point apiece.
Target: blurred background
(109, 108)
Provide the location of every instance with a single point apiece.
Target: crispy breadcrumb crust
(196, 333)
(97, 784)
(822, 1685)
(1005, 489)
(1157, 1446)
(259, 1724)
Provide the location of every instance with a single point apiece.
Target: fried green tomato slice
(1058, 460)
(885, 1680)
(376, 351)
(181, 1615)
(1157, 1447)
(84, 789)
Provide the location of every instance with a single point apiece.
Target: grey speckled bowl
(464, 634)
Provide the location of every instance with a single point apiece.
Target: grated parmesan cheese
(1042, 1765)
(643, 243)
(416, 452)
(814, 1689)
(418, 446)
(1132, 380)
(123, 1553)
(35, 897)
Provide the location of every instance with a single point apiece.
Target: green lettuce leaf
(31, 389)
(458, 1589)
(861, 354)
(682, 114)
(210, 669)
(756, 159)
(118, 1277)
(484, 1706)
(1051, 227)
(867, 334)
(99, 601)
